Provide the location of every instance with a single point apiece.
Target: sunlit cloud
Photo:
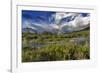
(50, 21)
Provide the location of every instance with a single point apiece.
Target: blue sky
(42, 17)
(38, 16)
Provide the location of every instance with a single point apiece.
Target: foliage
(56, 48)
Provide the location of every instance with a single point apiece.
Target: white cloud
(78, 23)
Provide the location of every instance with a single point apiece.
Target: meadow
(53, 47)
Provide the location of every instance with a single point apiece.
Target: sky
(38, 16)
(52, 18)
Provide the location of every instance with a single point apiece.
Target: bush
(59, 49)
(56, 52)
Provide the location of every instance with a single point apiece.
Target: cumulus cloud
(61, 20)
(78, 23)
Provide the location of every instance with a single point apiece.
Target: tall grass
(55, 51)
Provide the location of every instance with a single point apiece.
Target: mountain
(29, 30)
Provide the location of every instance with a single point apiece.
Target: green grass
(59, 49)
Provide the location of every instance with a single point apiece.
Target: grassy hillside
(53, 47)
